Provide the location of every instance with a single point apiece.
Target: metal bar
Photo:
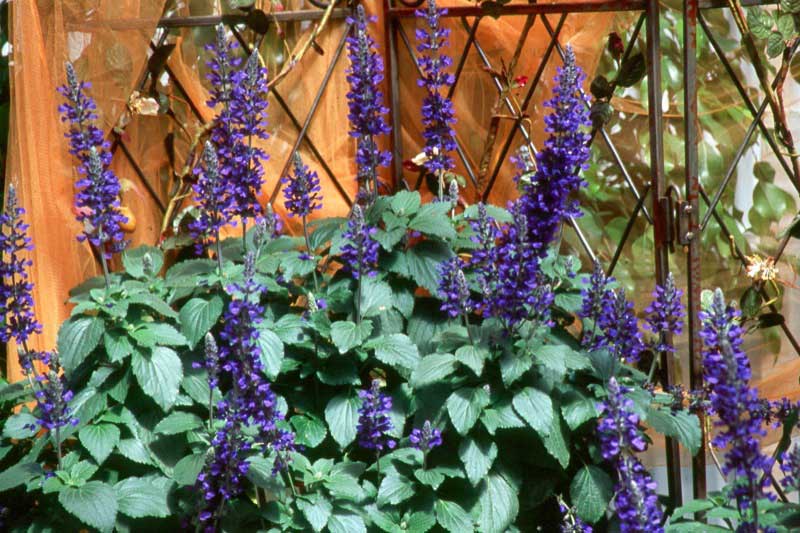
(626, 232)
(213, 20)
(746, 99)
(525, 102)
(530, 9)
(461, 154)
(606, 138)
(655, 115)
(694, 273)
(312, 147)
(582, 238)
(313, 110)
(139, 172)
(393, 88)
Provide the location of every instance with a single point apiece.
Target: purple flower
(453, 288)
(665, 313)
(437, 109)
(790, 466)
(739, 418)
(618, 327)
(98, 189)
(213, 200)
(636, 501)
(359, 255)
(16, 299)
(594, 294)
(365, 101)
(52, 398)
(571, 522)
(373, 419)
(302, 192)
(427, 438)
(211, 359)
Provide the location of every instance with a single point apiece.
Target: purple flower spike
(302, 191)
(739, 416)
(365, 101)
(16, 299)
(360, 254)
(790, 466)
(571, 522)
(373, 419)
(213, 200)
(438, 116)
(427, 438)
(665, 313)
(453, 288)
(98, 189)
(52, 398)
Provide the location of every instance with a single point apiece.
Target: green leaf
(346, 522)
(77, 338)
(473, 357)
(187, 469)
(118, 346)
(790, 6)
(19, 474)
(376, 297)
(786, 26)
(578, 409)
(432, 369)
(499, 504)
(432, 219)
(139, 497)
(317, 513)
(421, 263)
(557, 441)
(536, 408)
(347, 335)
(134, 450)
(178, 422)
(760, 22)
(452, 517)
(591, 491)
(395, 349)
(341, 414)
(198, 316)
(343, 485)
(395, 489)
(683, 426)
(310, 431)
(465, 406)
(405, 203)
(133, 260)
(153, 302)
(94, 504)
(775, 44)
(272, 352)
(159, 375)
(477, 455)
(692, 507)
(432, 477)
(158, 333)
(20, 426)
(99, 440)
(632, 70)
(513, 365)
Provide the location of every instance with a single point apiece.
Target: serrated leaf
(159, 375)
(432, 477)
(309, 430)
(477, 455)
(133, 260)
(118, 346)
(341, 414)
(272, 352)
(473, 357)
(464, 407)
(513, 365)
(198, 316)
(134, 450)
(395, 489)
(578, 409)
(591, 491)
(20, 426)
(395, 349)
(178, 422)
(759, 21)
(405, 203)
(346, 522)
(452, 517)
(499, 504)
(536, 408)
(347, 335)
(681, 425)
(139, 497)
(19, 474)
(317, 513)
(376, 297)
(775, 44)
(77, 338)
(432, 369)
(187, 469)
(99, 440)
(432, 219)
(421, 263)
(158, 333)
(557, 441)
(94, 504)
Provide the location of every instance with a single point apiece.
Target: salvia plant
(409, 367)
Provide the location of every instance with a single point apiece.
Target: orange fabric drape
(108, 42)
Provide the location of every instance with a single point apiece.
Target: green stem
(106, 275)
(218, 246)
(58, 446)
(310, 252)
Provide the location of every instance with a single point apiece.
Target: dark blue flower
(453, 288)
(426, 438)
(213, 200)
(593, 295)
(739, 417)
(438, 116)
(365, 101)
(571, 523)
(52, 398)
(665, 313)
(359, 255)
(16, 299)
(790, 466)
(618, 428)
(373, 419)
(302, 191)
(98, 189)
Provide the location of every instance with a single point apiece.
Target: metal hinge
(677, 214)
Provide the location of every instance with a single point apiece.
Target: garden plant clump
(411, 367)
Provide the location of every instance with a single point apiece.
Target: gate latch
(676, 213)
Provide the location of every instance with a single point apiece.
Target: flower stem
(310, 252)
(218, 246)
(106, 276)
